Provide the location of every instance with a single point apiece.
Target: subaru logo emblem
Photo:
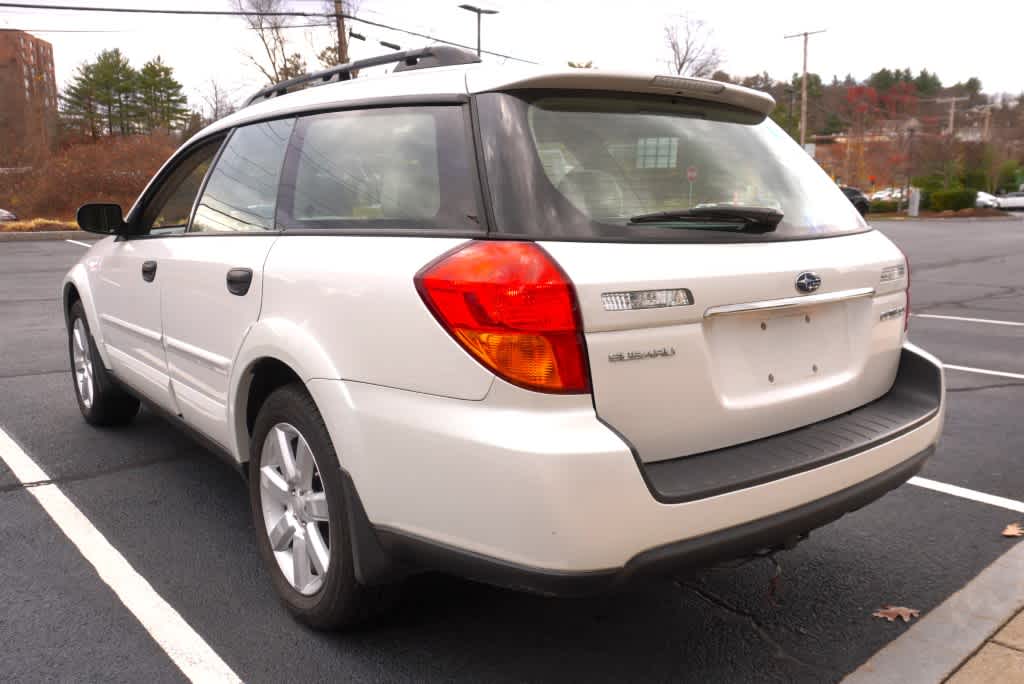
(808, 282)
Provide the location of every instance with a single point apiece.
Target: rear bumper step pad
(914, 399)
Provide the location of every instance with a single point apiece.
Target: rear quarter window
(401, 168)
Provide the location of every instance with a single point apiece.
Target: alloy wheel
(295, 509)
(82, 362)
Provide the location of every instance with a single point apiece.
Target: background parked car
(1012, 200)
(6, 216)
(857, 198)
(986, 201)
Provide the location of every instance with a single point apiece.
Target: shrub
(952, 200)
(111, 169)
(929, 183)
(883, 206)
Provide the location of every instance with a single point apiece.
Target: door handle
(239, 280)
(149, 271)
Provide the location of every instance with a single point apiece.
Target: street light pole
(479, 12)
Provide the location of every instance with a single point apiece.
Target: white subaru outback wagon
(551, 330)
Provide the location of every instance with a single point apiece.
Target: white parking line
(970, 320)
(965, 493)
(983, 371)
(179, 641)
(76, 242)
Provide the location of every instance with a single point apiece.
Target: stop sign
(691, 173)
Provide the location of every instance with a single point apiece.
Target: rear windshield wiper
(747, 218)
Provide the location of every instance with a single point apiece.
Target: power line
(137, 30)
(243, 13)
(142, 10)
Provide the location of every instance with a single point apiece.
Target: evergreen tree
(882, 80)
(927, 83)
(109, 97)
(79, 104)
(159, 101)
(114, 80)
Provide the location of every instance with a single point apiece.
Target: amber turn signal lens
(513, 309)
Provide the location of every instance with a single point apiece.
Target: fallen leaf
(1013, 530)
(890, 613)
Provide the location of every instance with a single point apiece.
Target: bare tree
(693, 53)
(276, 64)
(219, 101)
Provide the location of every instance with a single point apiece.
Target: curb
(869, 219)
(49, 235)
(942, 640)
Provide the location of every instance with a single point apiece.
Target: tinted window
(396, 168)
(241, 194)
(580, 166)
(171, 206)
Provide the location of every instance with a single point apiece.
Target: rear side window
(593, 166)
(241, 195)
(389, 169)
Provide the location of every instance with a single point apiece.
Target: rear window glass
(388, 168)
(585, 166)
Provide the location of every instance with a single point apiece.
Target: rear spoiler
(510, 78)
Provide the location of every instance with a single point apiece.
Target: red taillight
(513, 309)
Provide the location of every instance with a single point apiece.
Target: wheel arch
(75, 288)
(275, 352)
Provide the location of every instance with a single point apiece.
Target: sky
(860, 37)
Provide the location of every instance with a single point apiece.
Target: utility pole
(339, 21)
(952, 110)
(803, 85)
(986, 125)
(479, 12)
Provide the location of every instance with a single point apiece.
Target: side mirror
(105, 219)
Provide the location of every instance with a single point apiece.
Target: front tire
(100, 399)
(298, 506)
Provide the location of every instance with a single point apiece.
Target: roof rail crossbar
(407, 59)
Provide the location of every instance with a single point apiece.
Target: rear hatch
(750, 357)
(702, 331)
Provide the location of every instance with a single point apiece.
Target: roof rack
(423, 58)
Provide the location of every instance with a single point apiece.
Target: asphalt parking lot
(181, 519)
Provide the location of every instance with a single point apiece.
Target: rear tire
(298, 502)
(100, 399)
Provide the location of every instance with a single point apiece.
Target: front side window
(388, 168)
(241, 195)
(596, 166)
(169, 210)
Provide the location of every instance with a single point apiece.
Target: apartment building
(28, 98)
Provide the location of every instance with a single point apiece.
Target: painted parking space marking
(186, 649)
(81, 244)
(965, 493)
(966, 319)
(984, 371)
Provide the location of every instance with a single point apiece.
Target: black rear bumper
(382, 555)
(914, 399)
